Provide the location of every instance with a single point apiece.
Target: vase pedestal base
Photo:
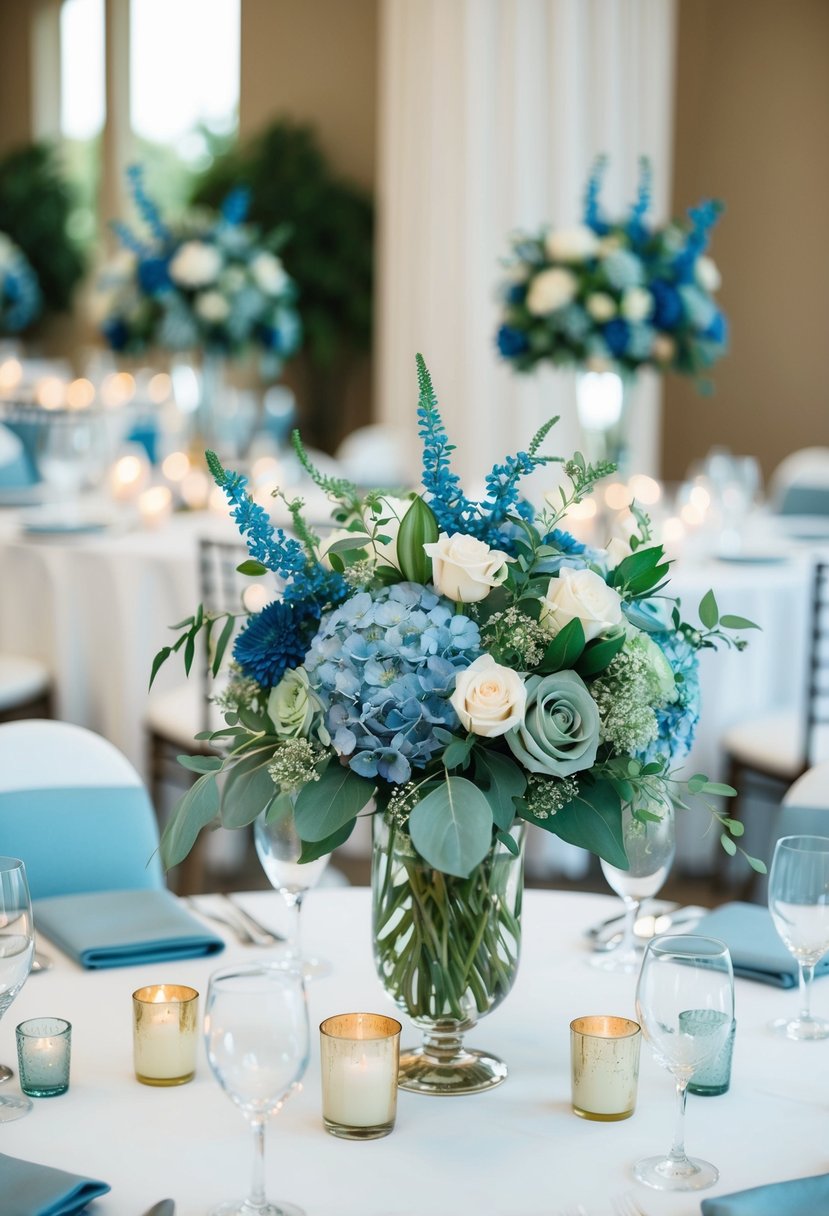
(423, 1071)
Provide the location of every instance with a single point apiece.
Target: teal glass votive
(43, 1049)
(713, 1077)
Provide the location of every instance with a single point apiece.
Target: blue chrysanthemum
(273, 641)
(511, 342)
(667, 305)
(384, 667)
(617, 336)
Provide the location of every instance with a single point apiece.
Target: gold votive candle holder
(604, 1061)
(165, 1033)
(359, 1056)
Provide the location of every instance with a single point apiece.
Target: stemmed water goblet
(685, 1006)
(17, 947)
(650, 846)
(258, 1042)
(279, 847)
(799, 906)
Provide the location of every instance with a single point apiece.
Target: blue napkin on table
(123, 928)
(756, 948)
(27, 1189)
(798, 1197)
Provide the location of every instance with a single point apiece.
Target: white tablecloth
(515, 1151)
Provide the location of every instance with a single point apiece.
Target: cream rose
(664, 348)
(489, 699)
(268, 273)
(196, 264)
(584, 596)
(574, 244)
(212, 307)
(601, 306)
(707, 274)
(617, 550)
(637, 304)
(550, 290)
(464, 568)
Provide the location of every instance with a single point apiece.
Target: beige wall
(16, 118)
(752, 128)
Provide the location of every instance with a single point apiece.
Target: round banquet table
(515, 1151)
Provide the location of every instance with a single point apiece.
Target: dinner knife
(164, 1207)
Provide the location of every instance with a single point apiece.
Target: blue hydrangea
(667, 305)
(677, 722)
(384, 667)
(273, 641)
(623, 269)
(617, 336)
(511, 342)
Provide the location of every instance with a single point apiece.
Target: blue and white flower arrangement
(617, 294)
(21, 301)
(206, 282)
(457, 666)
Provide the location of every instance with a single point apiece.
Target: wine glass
(258, 1042)
(799, 906)
(67, 456)
(279, 847)
(17, 947)
(650, 848)
(685, 1006)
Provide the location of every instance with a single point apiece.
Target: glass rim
(393, 1028)
(179, 994)
(632, 1027)
(290, 967)
(12, 863)
(789, 842)
(22, 1028)
(662, 945)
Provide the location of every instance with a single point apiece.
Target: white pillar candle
(165, 1033)
(604, 1057)
(360, 1054)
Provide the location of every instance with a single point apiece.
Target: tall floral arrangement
(621, 293)
(467, 665)
(20, 295)
(207, 282)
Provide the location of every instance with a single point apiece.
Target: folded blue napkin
(123, 928)
(798, 1197)
(756, 949)
(27, 1189)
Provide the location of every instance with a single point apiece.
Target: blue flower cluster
(267, 544)
(677, 722)
(273, 641)
(383, 666)
(20, 296)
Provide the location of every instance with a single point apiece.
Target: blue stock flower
(617, 336)
(564, 541)
(273, 641)
(511, 342)
(116, 331)
(667, 305)
(154, 276)
(517, 293)
(717, 331)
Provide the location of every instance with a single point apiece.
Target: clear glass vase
(603, 402)
(446, 950)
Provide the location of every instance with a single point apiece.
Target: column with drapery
(491, 113)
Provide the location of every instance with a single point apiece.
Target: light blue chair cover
(84, 838)
(16, 466)
(805, 500)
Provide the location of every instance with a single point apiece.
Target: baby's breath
(240, 692)
(293, 765)
(359, 574)
(624, 697)
(515, 639)
(401, 803)
(546, 796)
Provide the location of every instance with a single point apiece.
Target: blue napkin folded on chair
(27, 1189)
(123, 928)
(757, 951)
(798, 1197)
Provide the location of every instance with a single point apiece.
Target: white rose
(212, 307)
(574, 244)
(707, 274)
(617, 551)
(664, 348)
(584, 596)
(196, 264)
(489, 699)
(464, 568)
(601, 306)
(637, 304)
(268, 274)
(550, 290)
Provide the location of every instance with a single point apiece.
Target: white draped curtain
(491, 114)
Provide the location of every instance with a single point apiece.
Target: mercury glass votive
(359, 1056)
(165, 1033)
(604, 1060)
(713, 1077)
(43, 1050)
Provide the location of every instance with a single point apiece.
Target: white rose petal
(464, 568)
(664, 348)
(550, 290)
(707, 274)
(268, 273)
(617, 551)
(489, 699)
(196, 264)
(212, 307)
(637, 304)
(574, 244)
(601, 306)
(580, 595)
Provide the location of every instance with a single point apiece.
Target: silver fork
(243, 935)
(626, 1205)
(261, 933)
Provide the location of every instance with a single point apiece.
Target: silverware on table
(626, 1205)
(164, 1207)
(248, 932)
(661, 919)
(256, 928)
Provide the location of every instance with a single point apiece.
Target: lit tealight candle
(50, 392)
(128, 477)
(360, 1055)
(604, 1059)
(80, 394)
(11, 373)
(155, 505)
(43, 1050)
(165, 1033)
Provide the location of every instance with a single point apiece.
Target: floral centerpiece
(20, 295)
(458, 670)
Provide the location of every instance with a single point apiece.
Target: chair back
(800, 483)
(221, 589)
(816, 741)
(75, 811)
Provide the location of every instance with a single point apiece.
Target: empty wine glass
(257, 1039)
(650, 846)
(279, 847)
(17, 947)
(67, 456)
(799, 906)
(685, 1006)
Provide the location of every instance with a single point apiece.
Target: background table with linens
(516, 1151)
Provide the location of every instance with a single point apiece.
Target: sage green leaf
(248, 789)
(193, 811)
(200, 764)
(728, 844)
(252, 567)
(312, 850)
(644, 567)
(709, 613)
(457, 753)
(592, 820)
(737, 622)
(221, 645)
(563, 652)
(189, 650)
(756, 864)
(418, 527)
(507, 841)
(500, 780)
(451, 828)
(352, 543)
(325, 806)
(162, 657)
(599, 654)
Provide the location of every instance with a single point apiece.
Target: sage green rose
(292, 705)
(560, 731)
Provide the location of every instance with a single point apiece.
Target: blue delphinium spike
(592, 209)
(235, 206)
(636, 227)
(703, 218)
(145, 206)
(128, 238)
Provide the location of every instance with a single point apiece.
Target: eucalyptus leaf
(501, 780)
(592, 820)
(248, 789)
(728, 844)
(162, 657)
(451, 828)
(200, 764)
(325, 806)
(193, 811)
(709, 613)
(349, 544)
(737, 622)
(221, 644)
(507, 841)
(312, 850)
